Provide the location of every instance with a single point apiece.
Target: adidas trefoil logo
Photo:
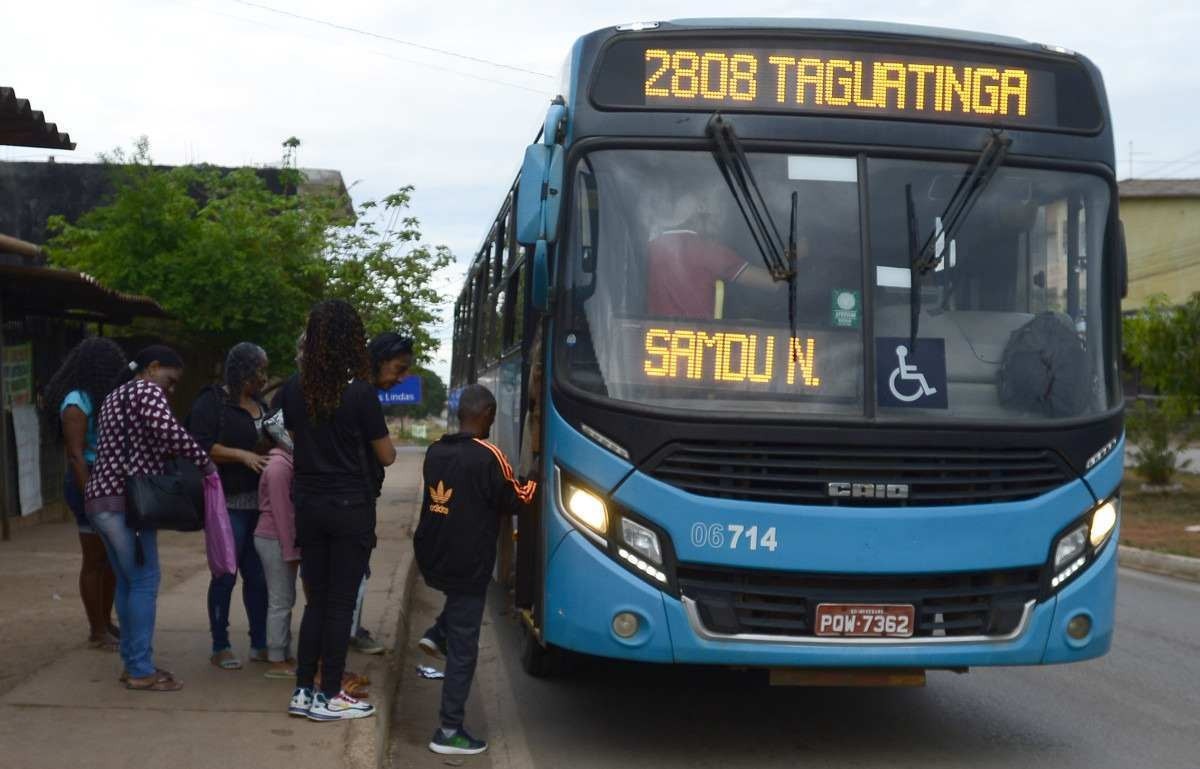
(440, 496)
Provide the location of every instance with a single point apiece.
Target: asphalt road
(1137, 707)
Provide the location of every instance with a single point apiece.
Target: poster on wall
(29, 470)
(18, 375)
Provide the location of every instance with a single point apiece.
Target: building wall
(1162, 236)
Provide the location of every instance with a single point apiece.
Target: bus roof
(853, 26)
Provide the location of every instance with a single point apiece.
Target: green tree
(231, 260)
(385, 271)
(1162, 341)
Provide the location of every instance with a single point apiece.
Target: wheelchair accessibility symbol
(915, 378)
(908, 373)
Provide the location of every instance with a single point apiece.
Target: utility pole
(1131, 156)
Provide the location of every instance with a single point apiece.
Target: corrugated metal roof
(28, 288)
(23, 126)
(1160, 188)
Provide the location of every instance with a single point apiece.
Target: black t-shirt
(214, 419)
(334, 455)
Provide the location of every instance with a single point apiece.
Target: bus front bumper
(590, 590)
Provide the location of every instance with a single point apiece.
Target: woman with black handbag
(138, 435)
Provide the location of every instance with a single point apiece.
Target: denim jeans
(281, 597)
(137, 588)
(254, 587)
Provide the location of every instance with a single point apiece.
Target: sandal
(106, 641)
(259, 655)
(353, 684)
(286, 671)
(226, 660)
(158, 672)
(155, 683)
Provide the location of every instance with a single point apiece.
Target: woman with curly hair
(334, 415)
(74, 396)
(227, 421)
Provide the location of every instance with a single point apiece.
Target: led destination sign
(925, 83)
(891, 84)
(720, 357)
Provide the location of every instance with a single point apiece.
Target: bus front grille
(750, 602)
(798, 474)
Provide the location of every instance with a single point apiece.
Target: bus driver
(686, 261)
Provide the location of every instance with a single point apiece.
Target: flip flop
(226, 660)
(289, 672)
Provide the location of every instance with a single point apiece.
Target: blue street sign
(406, 392)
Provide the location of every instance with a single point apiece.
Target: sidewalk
(72, 712)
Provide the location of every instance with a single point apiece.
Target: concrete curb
(367, 740)
(1178, 566)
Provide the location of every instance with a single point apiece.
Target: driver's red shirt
(682, 272)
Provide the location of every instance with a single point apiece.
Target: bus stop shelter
(44, 311)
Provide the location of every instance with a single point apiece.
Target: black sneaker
(365, 643)
(432, 647)
(458, 744)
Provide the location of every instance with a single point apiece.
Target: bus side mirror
(540, 293)
(1122, 260)
(530, 194)
(539, 194)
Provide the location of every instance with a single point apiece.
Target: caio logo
(869, 490)
(440, 498)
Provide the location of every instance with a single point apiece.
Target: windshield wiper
(927, 257)
(778, 257)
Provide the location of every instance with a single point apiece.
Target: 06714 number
(733, 536)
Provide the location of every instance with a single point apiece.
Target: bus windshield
(668, 303)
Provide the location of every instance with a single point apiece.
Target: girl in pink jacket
(275, 541)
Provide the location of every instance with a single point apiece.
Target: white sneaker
(340, 708)
(302, 701)
(430, 647)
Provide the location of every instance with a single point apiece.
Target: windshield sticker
(844, 308)
(908, 378)
(893, 277)
(817, 168)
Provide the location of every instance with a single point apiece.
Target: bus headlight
(642, 540)
(1103, 521)
(583, 507)
(1076, 547)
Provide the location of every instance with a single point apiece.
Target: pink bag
(218, 531)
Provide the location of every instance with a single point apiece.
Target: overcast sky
(224, 82)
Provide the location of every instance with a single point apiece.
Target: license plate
(864, 620)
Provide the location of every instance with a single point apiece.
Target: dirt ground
(41, 615)
(1160, 521)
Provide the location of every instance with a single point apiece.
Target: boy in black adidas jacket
(469, 485)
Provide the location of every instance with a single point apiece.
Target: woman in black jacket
(227, 421)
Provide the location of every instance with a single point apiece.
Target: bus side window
(514, 311)
(480, 323)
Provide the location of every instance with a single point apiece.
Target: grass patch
(1158, 521)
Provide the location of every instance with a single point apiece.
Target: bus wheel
(537, 660)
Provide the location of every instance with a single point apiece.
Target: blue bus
(809, 331)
